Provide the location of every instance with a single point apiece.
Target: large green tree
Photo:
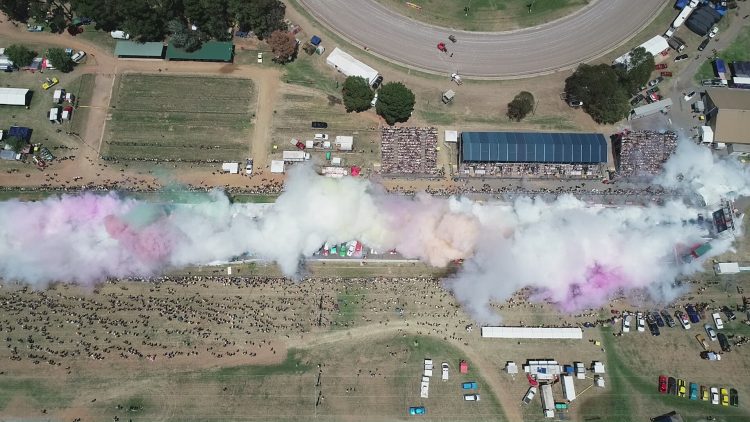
(212, 17)
(638, 71)
(357, 94)
(522, 104)
(20, 55)
(60, 60)
(395, 102)
(604, 98)
(17, 10)
(260, 16)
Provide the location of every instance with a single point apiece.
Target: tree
(20, 55)
(521, 105)
(60, 59)
(184, 38)
(106, 13)
(260, 16)
(357, 94)
(604, 98)
(395, 102)
(638, 71)
(15, 143)
(212, 17)
(283, 45)
(17, 10)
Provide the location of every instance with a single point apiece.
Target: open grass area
(101, 38)
(485, 15)
(180, 118)
(739, 50)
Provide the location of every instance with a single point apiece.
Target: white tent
(336, 161)
(707, 134)
(277, 166)
(532, 332)
(344, 143)
(231, 168)
(511, 367)
(349, 66)
(13, 96)
(654, 46)
(451, 136)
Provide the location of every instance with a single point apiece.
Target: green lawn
(485, 15)
(738, 50)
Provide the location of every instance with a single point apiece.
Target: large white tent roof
(532, 332)
(13, 96)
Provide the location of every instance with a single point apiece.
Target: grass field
(180, 118)
(486, 15)
(737, 51)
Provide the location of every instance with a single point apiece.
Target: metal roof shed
(532, 332)
(14, 96)
(649, 109)
(532, 147)
(128, 49)
(212, 51)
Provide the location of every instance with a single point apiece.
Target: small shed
(451, 136)
(597, 367)
(146, 50)
(277, 166)
(599, 381)
(231, 168)
(211, 51)
(511, 368)
(463, 367)
(448, 96)
(727, 268)
(336, 161)
(344, 143)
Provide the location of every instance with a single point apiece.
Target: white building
(451, 136)
(231, 168)
(349, 66)
(532, 332)
(277, 166)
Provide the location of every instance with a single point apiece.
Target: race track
(561, 44)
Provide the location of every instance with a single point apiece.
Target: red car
(661, 66)
(662, 384)
(666, 74)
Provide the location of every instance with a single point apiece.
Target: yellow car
(704, 393)
(724, 397)
(50, 83)
(681, 390)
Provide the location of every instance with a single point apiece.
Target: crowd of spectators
(643, 152)
(541, 170)
(409, 150)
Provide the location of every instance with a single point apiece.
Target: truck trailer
(548, 402)
(569, 389)
(349, 66)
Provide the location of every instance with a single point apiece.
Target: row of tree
(605, 90)
(151, 20)
(23, 56)
(395, 101)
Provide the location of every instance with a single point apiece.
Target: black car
(637, 99)
(724, 342)
(734, 400)
(672, 386)
(653, 327)
(681, 57)
(668, 318)
(659, 321)
(728, 312)
(703, 44)
(376, 83)
(319, 125)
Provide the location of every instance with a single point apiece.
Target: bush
(521, 105)
(283, 45)
(357, 94)
(20, 55)
(60, 60)
(395, 102)
(601, 90)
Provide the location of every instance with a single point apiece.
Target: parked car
(342, 250)
(717, 320)
(724, 397)
(668, 318)
(734, 399)
(319, 125)
(693, 391)
(681, 390)
(724, 342)
(575, 103)
(640, 321)
(471, 397)
(662, 384)
(657, 318)
(714, 395)
(684, 321)
(417, 410)
(710, 331)
(681, 57)
(704, 393)
(666, 74)
(49, 83)
(652, 326)
(661, 66)
(729, 313)
(626, 324)
(689, 96)
(702, 341)
(656, 81)
(703, 44)
(376, 83)
(321, 136)
(637, 99)
(692, 314)
(713, 32)
(78, 56)
(120, 35)
(671, 386)
(34, 28)
(470, 385)
(529, 395)
(374, 100)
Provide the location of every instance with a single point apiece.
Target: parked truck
(710, 355)
(676, 43)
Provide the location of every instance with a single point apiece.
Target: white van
(120, 35)
(471, 397)
(78, 56)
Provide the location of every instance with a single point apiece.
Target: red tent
(355, 171)
(463, 367)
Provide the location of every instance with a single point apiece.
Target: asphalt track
(564, 43)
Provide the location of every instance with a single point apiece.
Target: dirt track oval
(564, 43)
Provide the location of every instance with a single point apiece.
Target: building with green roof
(130, 49)
(211, 51)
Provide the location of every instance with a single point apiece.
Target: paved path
(561, 44)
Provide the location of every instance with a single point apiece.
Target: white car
(321, 136)
(626, 324)
(471, 397)
(683, 319)
(444, 367)
(374, 100)
(78, 56)
(717, 320)
(714, 31)
(710, 331)
(689, 96)
(120, 35)
(640, 321)
(350, 250)
(714, 395)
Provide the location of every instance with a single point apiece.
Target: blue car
(693, 391)
(692, 314)
(417, 410)
(471, 385)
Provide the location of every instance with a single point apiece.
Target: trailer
(684, 14)
(569, 389)
(295, 156)
(349, 66)
(721, 70)
(548, 402)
